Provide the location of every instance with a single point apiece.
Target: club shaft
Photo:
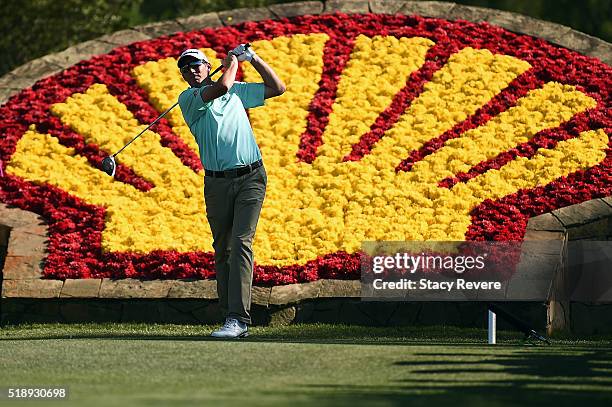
(147, 128)
(159, 117)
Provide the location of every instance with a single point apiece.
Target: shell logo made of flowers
(392, 128)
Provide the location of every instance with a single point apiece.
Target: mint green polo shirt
(221, 126)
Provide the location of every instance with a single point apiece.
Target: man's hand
(243, 52)
(229, 59)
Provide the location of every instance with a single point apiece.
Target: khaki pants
(232, 208)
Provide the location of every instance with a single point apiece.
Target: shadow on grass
(542, 378)
(575, 364)
(516, 393)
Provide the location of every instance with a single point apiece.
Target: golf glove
(243, 53)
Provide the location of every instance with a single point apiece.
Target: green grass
(299, 365)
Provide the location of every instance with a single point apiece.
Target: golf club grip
(247, 46)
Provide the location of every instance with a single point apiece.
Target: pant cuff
(240, 318)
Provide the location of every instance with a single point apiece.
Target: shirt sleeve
(251, 94)
(192, 105)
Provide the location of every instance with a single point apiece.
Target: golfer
(235, 178)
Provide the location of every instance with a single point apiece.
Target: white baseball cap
(191, 52)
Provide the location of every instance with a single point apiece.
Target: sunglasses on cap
(197, 62)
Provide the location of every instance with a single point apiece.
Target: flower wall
(392, 128)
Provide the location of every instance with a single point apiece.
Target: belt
(235, 172)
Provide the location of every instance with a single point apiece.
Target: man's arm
(225, 82)
(274, 86)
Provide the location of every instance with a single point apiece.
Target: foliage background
(34, 28)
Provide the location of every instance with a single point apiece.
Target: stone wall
(591, 220)
(28, 298)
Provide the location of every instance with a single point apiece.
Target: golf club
(109, 165)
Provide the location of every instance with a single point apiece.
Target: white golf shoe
(231, 329)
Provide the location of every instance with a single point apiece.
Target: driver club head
(109, 166)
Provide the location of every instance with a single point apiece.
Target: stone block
(187, 304)
(4, 235)
(158, 29)
(141, 311)
(6, 93)
(36, 69)
(557, 317)
(205, 289)
(200, 21)
(543, 235)
(31, 288)
(543, 29)
(522, 24)
(124, 37)
(87, 311)
(22, 267)
(340, 288)
(438, 9)
(532, 313)
(577, 41)
(81, 288)
(171, 315)
(132, 288)
(18, 305)
(521, 289)
(539, 261)
(591, 319)
(386, 6)
(260, 315)
(39, 229)
(16, 217)
(292, 293)
(6, 79)
(546, 222)
(79, 52)
(24, 82)
(508, 20)
(242, 15)
(296, 9)
(282, 316)
(26, 244)
(584, 212)
(326, 311)
(304, 311)
(406, 313)
(437, 313)
(602, 50)
(597, 230)
(261, 295)
(210, 313)
(372, 313)
(32, 318)
(469, 13)
(346, 6)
